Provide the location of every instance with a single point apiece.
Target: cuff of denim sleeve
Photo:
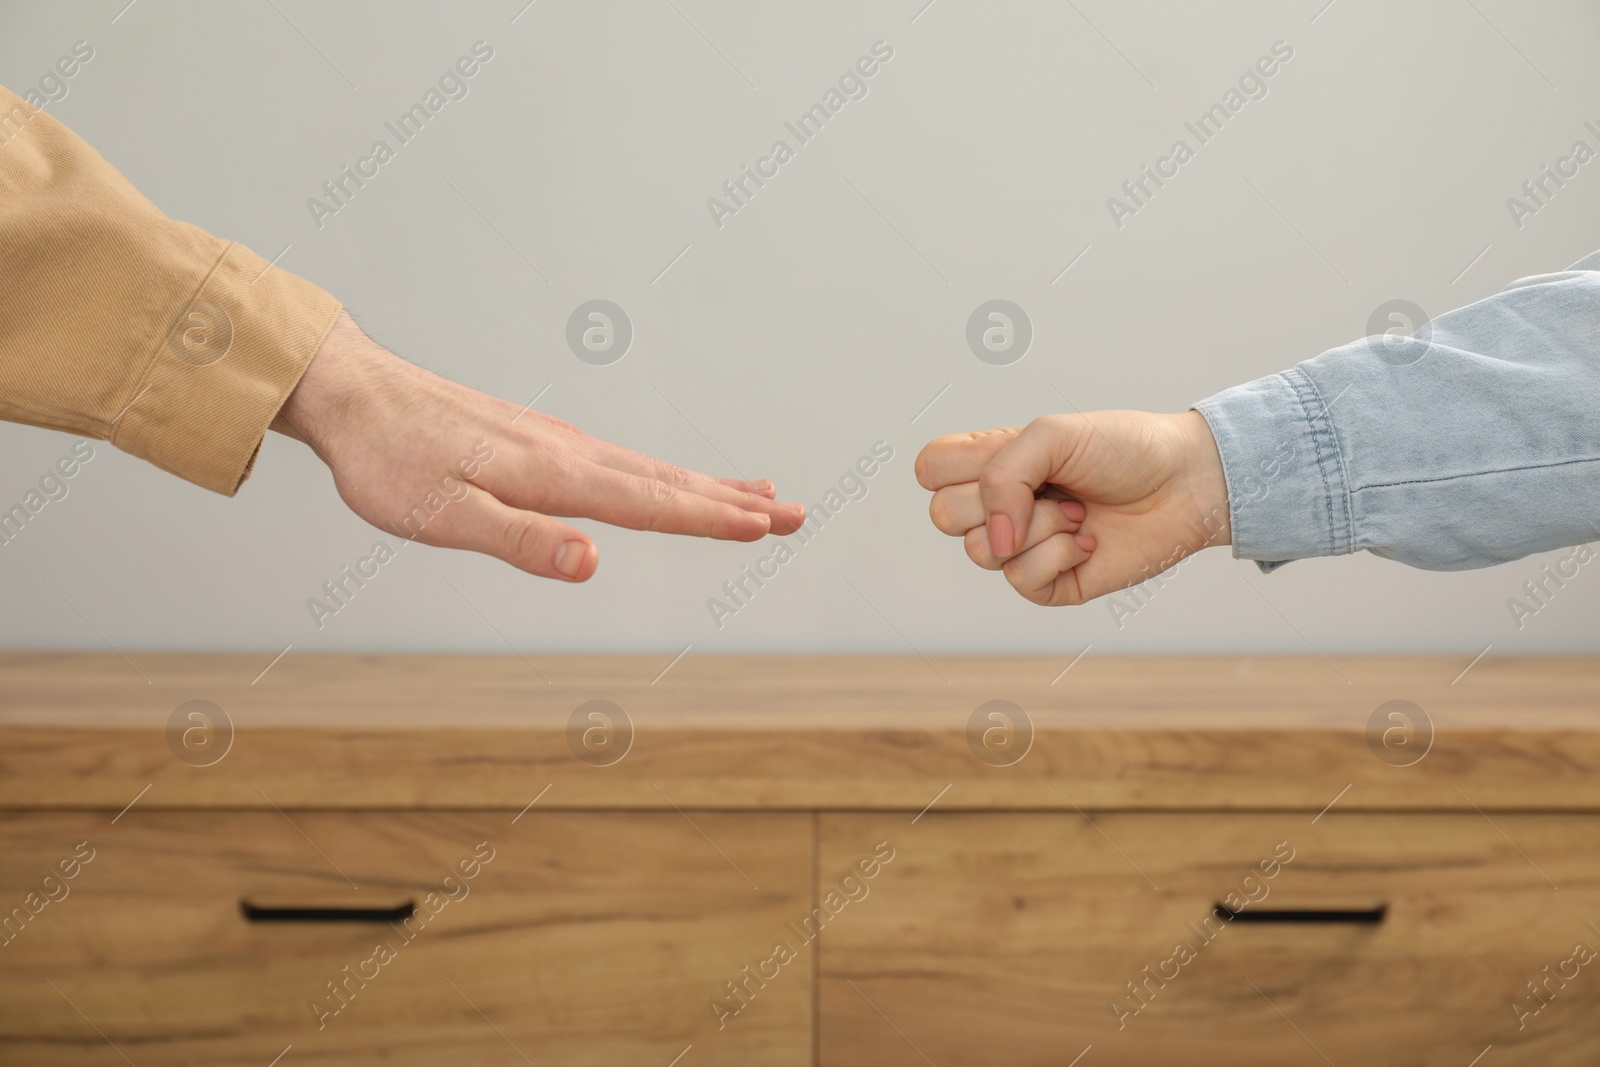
(1288, 497)
(223, 364)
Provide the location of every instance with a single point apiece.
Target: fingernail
(1074, 510)
(1000, 534)
(570, 557)
(1085, 542)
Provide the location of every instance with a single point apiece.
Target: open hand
(425, 458)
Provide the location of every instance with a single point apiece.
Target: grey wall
(824, 315)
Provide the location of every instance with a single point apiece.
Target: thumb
(1009, 480)
(527, 540)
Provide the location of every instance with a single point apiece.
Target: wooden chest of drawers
(768, 860)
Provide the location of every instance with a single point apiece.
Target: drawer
(1358, 939)
(562, 938)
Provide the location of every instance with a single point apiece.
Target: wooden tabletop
(799, 732)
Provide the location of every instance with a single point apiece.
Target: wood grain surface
(801, 733)
(587, 939)
(1008, 938)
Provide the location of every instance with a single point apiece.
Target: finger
(639, 503)
(957, 509)
(1050, 517)
(752, 496)
(1020, 467)
(958, 457)
(527, 540)
(760, 487)
(1044, 574)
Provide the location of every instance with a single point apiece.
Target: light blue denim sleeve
(1475, 442)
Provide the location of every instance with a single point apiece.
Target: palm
(1143, 509)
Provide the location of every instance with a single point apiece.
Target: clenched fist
(1071, 507)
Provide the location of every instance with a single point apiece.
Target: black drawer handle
(258, 914)
(1355, 916)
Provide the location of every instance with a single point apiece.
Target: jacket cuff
(1288, 495)
(220, 368)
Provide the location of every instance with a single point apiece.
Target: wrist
(340, 372)
(1204, 478)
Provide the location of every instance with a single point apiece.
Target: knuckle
(558, 468)
(674, 476)
(660, 497)
(978, 551)
(993, 476)
(563, 427)
(524, 540)
(1040, 596)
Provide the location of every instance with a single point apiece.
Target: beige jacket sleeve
(124, 325)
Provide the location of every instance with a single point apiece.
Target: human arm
(1471, 443)
(181, 348)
